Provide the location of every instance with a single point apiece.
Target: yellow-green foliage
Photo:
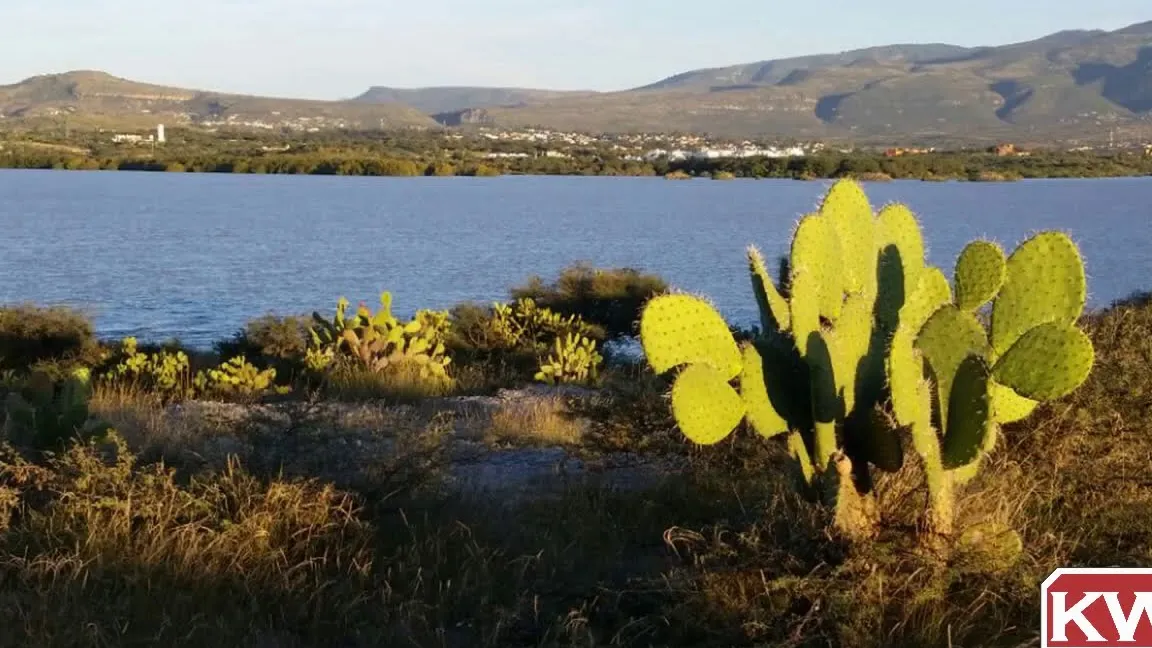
(381, 342)
(165, 373)
(525, 324)
(863, 332)
(238, 377)
(574, 360)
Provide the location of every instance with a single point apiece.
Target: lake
(195, 256)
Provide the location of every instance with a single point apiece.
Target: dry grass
(103, 552)
(400, 384)
(153, 428)
(543, 420)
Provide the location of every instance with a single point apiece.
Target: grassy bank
(263, 518)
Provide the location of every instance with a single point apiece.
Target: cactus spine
(816, 370)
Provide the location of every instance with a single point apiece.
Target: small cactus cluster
(166, 373)
(573, 360)
(380, 341)
(47, 414)
(527, 323)
(238, 377)
(564, 346)
(861, 339)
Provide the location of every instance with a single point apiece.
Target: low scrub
(610, 298)
(44, 336)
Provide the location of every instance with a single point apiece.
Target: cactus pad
(980, 273)
(774, 311)
(706, 407)
(816, 254)
(1008, 406)
(1045, 283)
(932, 291)
(805, 307)
(896, 226)
(846, 207)
(1047, 362)
(827, 405)
(947, 339)
(682, 329)
(849, 344)
(905, 363)
(762, 416)
(969, 418)
(905, 373)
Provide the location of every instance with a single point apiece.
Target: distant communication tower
(160, 134)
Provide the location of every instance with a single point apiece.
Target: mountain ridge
(1065, 85)
(102, 98)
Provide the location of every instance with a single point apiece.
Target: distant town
(647, 147)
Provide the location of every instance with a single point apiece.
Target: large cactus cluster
(381, 342)
(862, 339)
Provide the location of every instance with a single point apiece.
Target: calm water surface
(195, 256)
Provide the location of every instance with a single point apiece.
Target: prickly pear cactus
(954, 382)
(573, 360)
(45, 414)
(238, 377)
(816, 372)
(381, 342)
(165, 373)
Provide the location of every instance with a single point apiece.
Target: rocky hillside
(448, 99)
(1067, 84)
(102, 98)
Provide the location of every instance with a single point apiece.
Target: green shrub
(46, 413)
(272, 340)
(30, 335)
(609, 298)
(523, 337)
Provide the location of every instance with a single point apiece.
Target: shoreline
(866, 167)
(858, 178)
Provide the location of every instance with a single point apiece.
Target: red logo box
(1096, 608)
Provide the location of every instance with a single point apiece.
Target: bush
(609, 298)
(31, 335)
(277, 341)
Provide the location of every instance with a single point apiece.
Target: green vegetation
(869, 340)
(406, 154)
(153, 494)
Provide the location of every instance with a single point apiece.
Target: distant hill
(1064, 86)
(1068, 84)
(447, 99)
(101, 98)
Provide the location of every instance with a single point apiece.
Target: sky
(332, 49)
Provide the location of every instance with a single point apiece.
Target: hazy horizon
(337, 49)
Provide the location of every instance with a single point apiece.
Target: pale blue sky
(336, 48)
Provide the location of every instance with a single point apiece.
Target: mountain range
(100, 99)
(1070, 84)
